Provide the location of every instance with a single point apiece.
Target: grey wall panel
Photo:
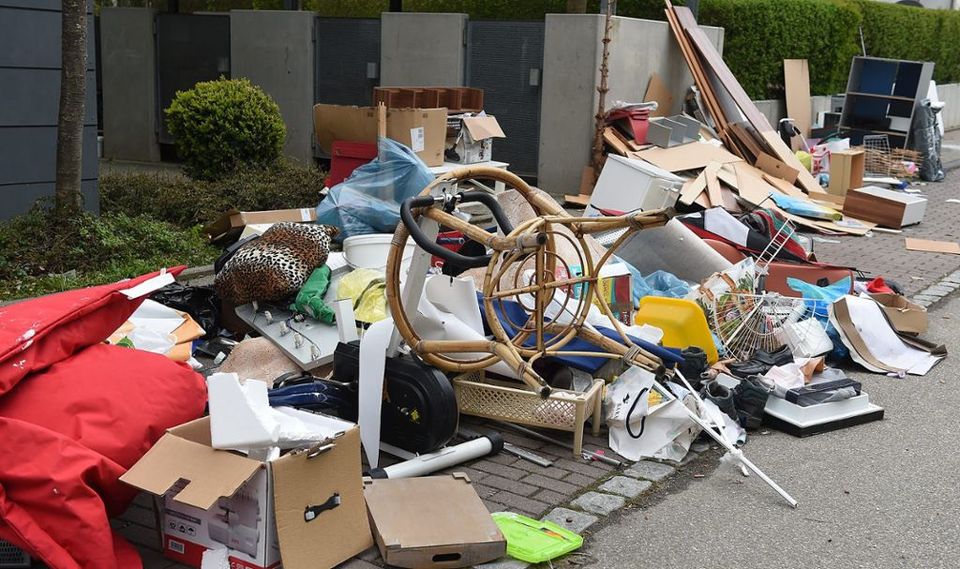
(270, 49)
(19, 198)
(502, 56)
(29, 104)
(128, 78)
(347, 51)
(31, 97)
(53, 5)
(422, 49)
(31, 38)
(29, 154)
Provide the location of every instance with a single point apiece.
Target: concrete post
(571, 64)
(129, 78)
(422, 49)
(274, 49)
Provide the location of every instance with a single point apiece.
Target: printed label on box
(417, 139)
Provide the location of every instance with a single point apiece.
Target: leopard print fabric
(276, 265)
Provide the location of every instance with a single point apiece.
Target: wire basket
(510, 402)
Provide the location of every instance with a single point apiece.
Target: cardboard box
(214, 498)
(434, 521)
(846, 171)
(614, 285)
(470, 139)
(233, 221)
(906, 316)
(423, 130)
(884, 207)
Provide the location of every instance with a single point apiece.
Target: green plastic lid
(534, 541)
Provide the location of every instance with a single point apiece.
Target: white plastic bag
(636, 431)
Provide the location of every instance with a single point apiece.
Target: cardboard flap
(221, 225)
(481, 128)
(330, 482)
(432, 511)
(211, 473)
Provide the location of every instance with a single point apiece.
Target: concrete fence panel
(274, 50)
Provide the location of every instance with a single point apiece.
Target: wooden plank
(783, 152)
(783, 186)
(692, 189)
(658, 91)
(931, 246)
(796, 76)
(613, 141)
(706, 90)
(776, 168)
(713, 185)
(728, 176)
(587, 180)
(751, 186)
(716, 66)
(579, 200)
(692, 156)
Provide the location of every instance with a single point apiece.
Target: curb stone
(625, 486)
(597, 503)
(571, 519)
(652, 471)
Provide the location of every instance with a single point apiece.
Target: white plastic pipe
(437, 460)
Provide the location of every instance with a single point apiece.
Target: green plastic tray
(534, 541)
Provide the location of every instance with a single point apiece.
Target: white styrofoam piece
(240, 414)
(373, 355)
(915, 207)
(628, 184)
(149, 285)
(812, 415)
(346, 320)
(807, 338)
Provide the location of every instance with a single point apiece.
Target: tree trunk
(73, 51)
(576, 6)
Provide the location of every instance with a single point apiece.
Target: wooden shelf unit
(878, 89)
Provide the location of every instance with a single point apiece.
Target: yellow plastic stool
(682, 321)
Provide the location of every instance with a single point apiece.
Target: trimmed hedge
(223, 125)
(186, 203)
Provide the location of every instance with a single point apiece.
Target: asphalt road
(884, 494)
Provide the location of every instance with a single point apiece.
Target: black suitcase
(419, 411)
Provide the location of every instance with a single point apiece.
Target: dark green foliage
(186, 202)
(40, 254)
(224, 124)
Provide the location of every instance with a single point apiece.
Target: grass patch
(40, 254)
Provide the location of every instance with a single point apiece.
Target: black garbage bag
(927, 140)
(200, 302)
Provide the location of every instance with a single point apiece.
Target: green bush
(907, 32)
(40, 254)
(224, 124)
(185, 202)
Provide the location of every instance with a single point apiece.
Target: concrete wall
(29, 105)
(422, 49)
(572, 54)
(129, 84)
(274, 50)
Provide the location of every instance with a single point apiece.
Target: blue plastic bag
(818, 300)
(369, 200)
(657, 283)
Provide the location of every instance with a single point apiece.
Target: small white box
(628, 184)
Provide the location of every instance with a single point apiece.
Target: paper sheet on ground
(872, 341)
